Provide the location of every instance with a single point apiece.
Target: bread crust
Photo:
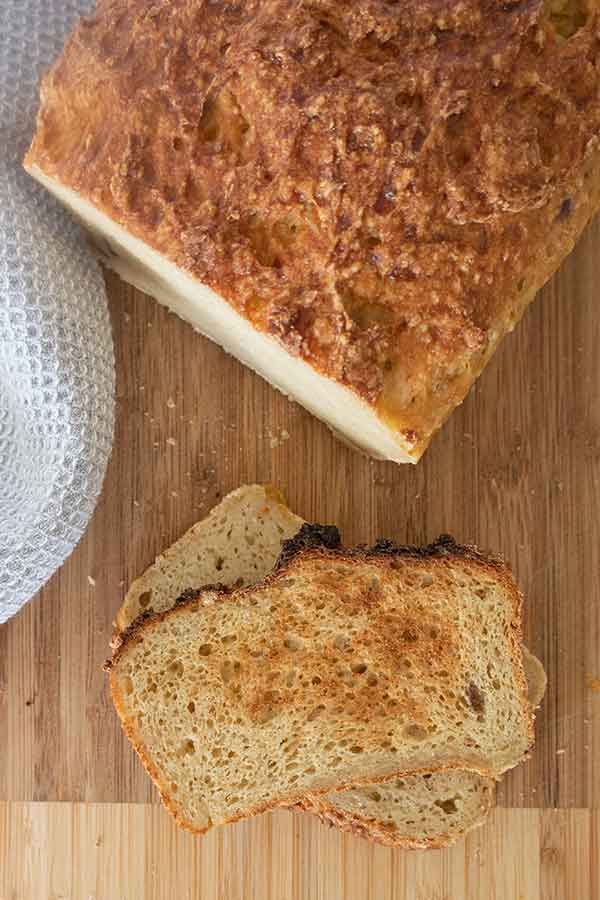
(381, 187)
(323, 541)
(441, 552)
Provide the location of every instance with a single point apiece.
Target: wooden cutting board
(515, 470)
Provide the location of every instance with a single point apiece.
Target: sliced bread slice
(341, 669)
(424, 811)
(416, 812)
(236, 544)
(239, 542)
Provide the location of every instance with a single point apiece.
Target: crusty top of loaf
(380, 186)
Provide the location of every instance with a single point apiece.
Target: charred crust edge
(321, 540)
(312, 536)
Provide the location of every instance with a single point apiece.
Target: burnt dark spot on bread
(310, 537)
(193, 593)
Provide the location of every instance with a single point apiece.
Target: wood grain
(516, 470)
(131, 851)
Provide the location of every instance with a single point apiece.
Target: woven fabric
(56, 354)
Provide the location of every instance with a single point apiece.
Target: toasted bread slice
(239, 542)
(415, 812)
(424, 811)
(343, 668)
(236, 544)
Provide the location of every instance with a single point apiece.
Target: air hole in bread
(176, 667)
(448, 806)
(359, 668)
(458, 142)
(265, 715)
(287, 582)
(416, 732)
(230, 669)
(228, 639)
(434, 632)
(410, 636)
(187, 748)
(364, 314)
(315, 712)
(292, 747)
(476, 698)
(426, 580)
(205, 650)
(144, 599)
(191, 707)
(292, 642)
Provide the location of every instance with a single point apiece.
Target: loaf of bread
(357, 199)
(238, 543)
(341, 669)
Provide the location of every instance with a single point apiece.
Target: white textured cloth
(56, 354)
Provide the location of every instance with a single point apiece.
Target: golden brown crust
(382, 187)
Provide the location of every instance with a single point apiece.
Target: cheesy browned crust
(381, 186)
